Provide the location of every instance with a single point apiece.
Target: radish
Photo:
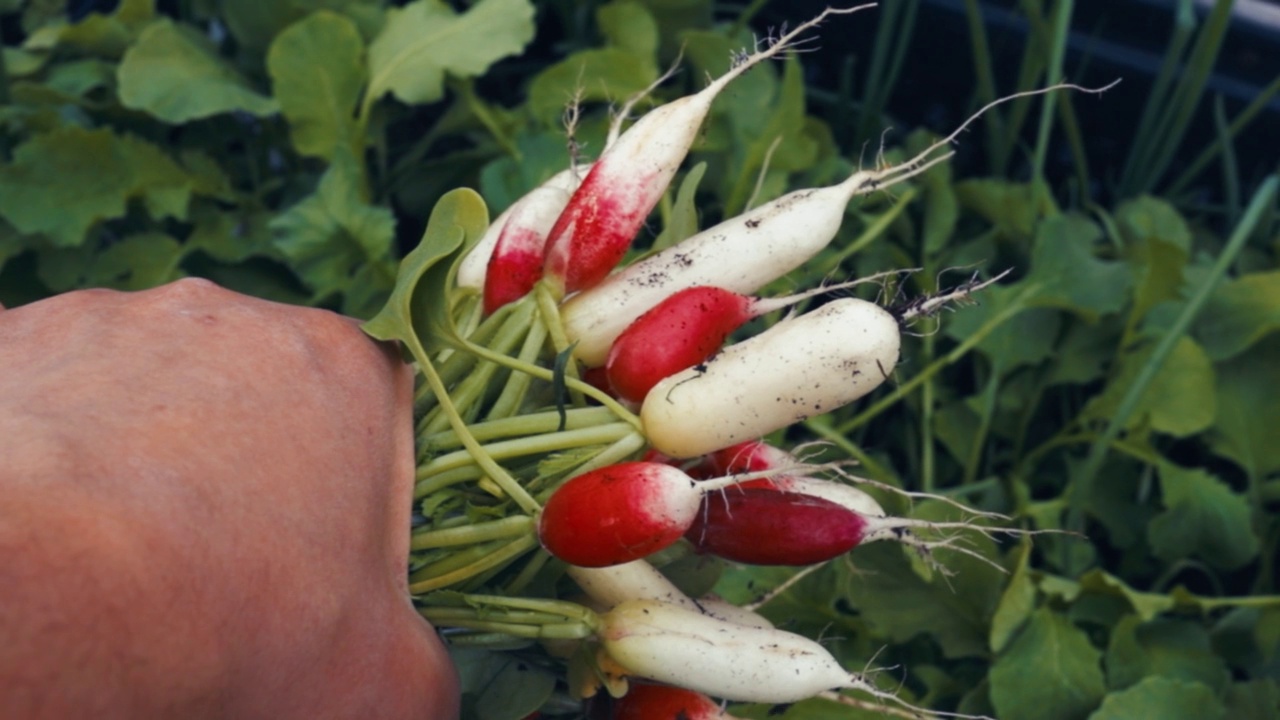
(629, 178)
(805, 529)
(516, 263)
(684, 330)
(635, 580)
(756, 456)
(741, 254)
(624, 512)
(800, 367)
(645, 701)
(765, 526)
(722, 659)
(551, 197)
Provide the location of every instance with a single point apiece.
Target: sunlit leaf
(423, 40)
(1157, 243)
(1238, 314)
(62, 183)
(594, 75)
(1180, 400)
(317, 70)
(176, 75)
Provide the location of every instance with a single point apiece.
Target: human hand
(204, 512)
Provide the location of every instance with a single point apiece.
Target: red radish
(684, 330)
(663, 702)
(629, 178)
(758, 456)
(762, 526)
(620, 513)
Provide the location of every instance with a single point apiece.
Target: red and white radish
(629, 178)
(549, 198)
(742, 253)
(758, 456)
(516, 263)
(645, 701)
(800, 367)
(685, 329)
(624, 512)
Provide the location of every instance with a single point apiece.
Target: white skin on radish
(635, 580)
(722, 659)
(800, 367)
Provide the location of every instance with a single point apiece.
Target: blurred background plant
(1125, 384)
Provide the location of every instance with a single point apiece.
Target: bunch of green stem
(513, 422)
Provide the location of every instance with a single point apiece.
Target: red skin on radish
(514, 268)
(618, 513)
(683, 330)
(597, 226)
(662, 702)
(762, 526)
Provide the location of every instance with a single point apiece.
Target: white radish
(723, 659)
(635, 580)
(800, 367)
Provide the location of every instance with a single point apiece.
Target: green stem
(481, 458)
(443, 574)
(506, 449)
(517, 387)
(471, 534)
(520, 425)
(1061, 27)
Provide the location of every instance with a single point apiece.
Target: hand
(204, 513)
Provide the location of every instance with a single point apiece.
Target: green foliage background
(1125, 384)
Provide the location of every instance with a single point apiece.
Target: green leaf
(1158, 697)
(1170, 648)
(1027, 338)
(1049, 672)
(1012, 207)
(594, 75)
(1180, 400)
(1238, 314)
(1085, 351)
(1016, 603)
(1203, 518)
(136, 262)
(423, 40)
(627, 25)
(1249, 409)
(1071, 276)
(333, 235)
(1157, 242)
(317, 71)
(1148, 606)
(1256, 700)
(176, 75)
(899, 604)
(684, 212)
(417, 312)
(63, 182)
(499, 686)
(102, 35)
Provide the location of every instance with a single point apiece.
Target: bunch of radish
(530, 477)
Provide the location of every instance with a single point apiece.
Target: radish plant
(535, 483)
